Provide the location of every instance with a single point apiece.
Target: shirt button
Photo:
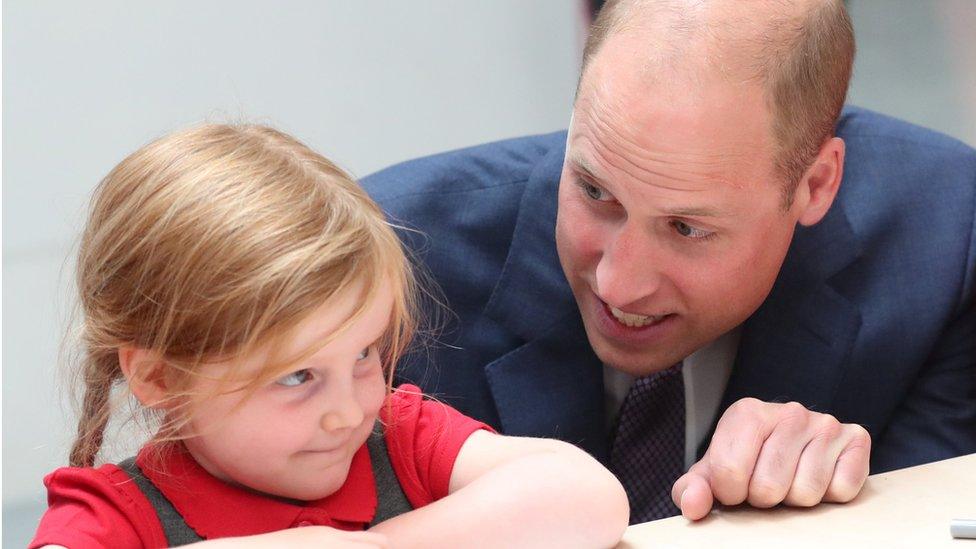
(305, 523)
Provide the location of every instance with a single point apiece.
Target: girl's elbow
(599, 491)
(613, 507)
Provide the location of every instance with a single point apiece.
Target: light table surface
(906, 508)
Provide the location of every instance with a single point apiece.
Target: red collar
(215, 509)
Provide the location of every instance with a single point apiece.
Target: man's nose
(343, 409)
(629, 269)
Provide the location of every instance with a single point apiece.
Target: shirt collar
(215, 509)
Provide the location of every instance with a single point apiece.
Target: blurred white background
(366, 83)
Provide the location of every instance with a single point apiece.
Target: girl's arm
(518, 492)
(317, 537)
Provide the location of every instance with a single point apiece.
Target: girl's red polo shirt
(89, 507)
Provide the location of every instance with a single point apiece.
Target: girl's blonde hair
(213, 241)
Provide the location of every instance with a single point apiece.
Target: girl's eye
(365, 365)
(594, 192)
(688, 231)
(295, 378)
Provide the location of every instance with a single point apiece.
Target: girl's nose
(346, 413)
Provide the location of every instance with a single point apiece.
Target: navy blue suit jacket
(871, 318)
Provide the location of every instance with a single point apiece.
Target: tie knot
(655, 379)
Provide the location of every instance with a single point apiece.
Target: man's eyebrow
(581, 165)
(694, 212)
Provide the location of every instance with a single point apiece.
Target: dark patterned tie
(647, 452)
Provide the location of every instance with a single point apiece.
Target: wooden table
(905, 508)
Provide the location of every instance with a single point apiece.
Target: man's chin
(632, 359)
(633, 363)
(640, 369)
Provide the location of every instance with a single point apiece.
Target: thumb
(692, 492)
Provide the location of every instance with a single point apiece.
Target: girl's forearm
(562, 498)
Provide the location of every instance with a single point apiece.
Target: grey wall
(916, 60)
(367, 83)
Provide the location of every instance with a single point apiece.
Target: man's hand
(767, 453)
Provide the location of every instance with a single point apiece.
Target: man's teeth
(632, 320)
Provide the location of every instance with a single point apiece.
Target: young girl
(251, 296)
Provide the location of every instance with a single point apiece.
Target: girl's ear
(145, 372)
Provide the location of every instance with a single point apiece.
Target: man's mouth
(634, 320)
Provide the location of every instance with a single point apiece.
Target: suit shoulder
(485, 166)
(863, 125)
(898, 165)
(909, 194)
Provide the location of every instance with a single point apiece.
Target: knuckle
(804, 495)
(765, 492)
(794, 413)
(746, 411)
(795, 408)
(828, 419)
(828, 427)
(859, 435)
(745, 405)
(842, 491)
(729, 483)
(819, 480)
(810, 490)
(727, 471)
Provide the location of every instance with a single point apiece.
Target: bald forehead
(733, 17)
(733, 39)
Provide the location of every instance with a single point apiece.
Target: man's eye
(295, 378)
(364, 354)
(594, 192)
(688, 231)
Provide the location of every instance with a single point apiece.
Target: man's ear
(145, 372)
(819, 185)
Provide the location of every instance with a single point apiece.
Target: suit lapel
(532, 293)
(794, 347)
(552, 387)
(553, 384)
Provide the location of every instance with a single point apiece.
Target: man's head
(701, 135)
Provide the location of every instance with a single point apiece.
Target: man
(686, 253)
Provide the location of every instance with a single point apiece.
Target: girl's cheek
(373, 393)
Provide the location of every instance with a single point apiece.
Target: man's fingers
(777, 464)
(773, 453)
(693, 495)
(699, 469)
(679, 486)
(735, 447)
(816, 464)
(852, 467)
